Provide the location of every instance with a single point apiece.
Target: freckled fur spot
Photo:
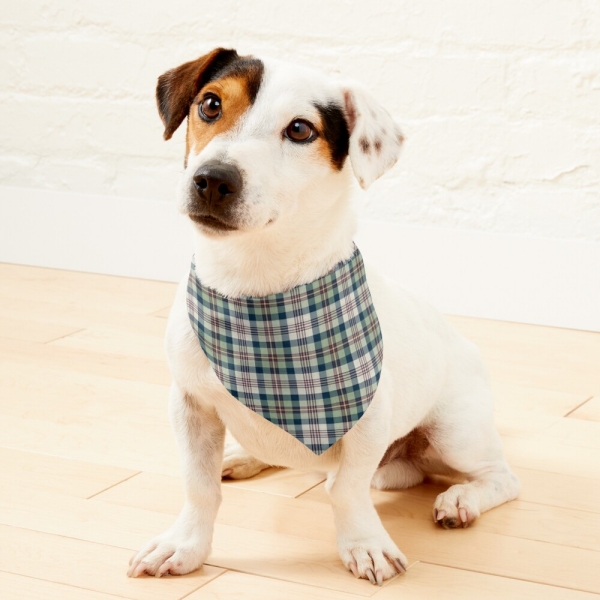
(365, 146)
(377, 145)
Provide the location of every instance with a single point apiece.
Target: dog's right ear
(177, 88)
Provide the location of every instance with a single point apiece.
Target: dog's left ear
(375, 138)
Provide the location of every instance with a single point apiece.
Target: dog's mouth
(211, 222)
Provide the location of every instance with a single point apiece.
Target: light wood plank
(90, 566)
(33, 331)
(426, 581)
(99, 395)
(310, 561)
(95, 418)
(282, 482)
(551, 456)
(79, 361)
(521, 411)
(163, 493)
(590, 411)
(539, 357)
(520, 519)
(399, 511)
(149, 344)
(555, 489)
(573, 432)
(72, 288)
(122, 443)
(77, 316)
(313, 517)
(250, 587)
(18, 587)
(49, 473)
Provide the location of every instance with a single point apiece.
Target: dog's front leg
(184, 547)
(364, 545)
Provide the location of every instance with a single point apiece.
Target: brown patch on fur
(235, 101)
(334, 138)
(365, 145)
(377, 145)
(177, 88)
(411, 447)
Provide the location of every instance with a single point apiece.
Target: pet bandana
(307, 360)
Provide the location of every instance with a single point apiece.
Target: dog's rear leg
(238, 464)
(398, 474)
(472, 447)
(200, 435)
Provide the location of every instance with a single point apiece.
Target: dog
(271, 149)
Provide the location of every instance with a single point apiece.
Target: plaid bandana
(307, 360)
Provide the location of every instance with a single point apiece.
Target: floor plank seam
(312, 487)
(554, 585)
(76, 587)
(307, 584)
(593, 478)
(205, 584)
(113, 485)
(62, 337)
(578, 406)
(70, 537)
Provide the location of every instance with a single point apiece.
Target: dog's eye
(299, 130)
(210, 108)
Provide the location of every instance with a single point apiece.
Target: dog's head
(265, 138)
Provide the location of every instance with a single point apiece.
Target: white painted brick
(499, 99)
(565, 87)
(102, 66)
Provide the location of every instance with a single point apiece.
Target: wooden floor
(89, 470)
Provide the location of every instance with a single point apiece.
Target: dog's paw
(238, 464)
(372, 559)
(456, 507)
(170, 554)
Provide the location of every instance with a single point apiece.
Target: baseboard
(531, 280)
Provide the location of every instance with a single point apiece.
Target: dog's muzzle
(216, 187)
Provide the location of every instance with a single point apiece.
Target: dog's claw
(354, 569)
(379, 577)
(399, 566)
(371, 576)
(439, 515)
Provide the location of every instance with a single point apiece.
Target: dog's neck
(297, 250)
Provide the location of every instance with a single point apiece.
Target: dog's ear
(375, 138)
(177, 88)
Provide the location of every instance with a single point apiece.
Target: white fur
(295, 224)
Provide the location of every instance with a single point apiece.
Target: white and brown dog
(266, 186)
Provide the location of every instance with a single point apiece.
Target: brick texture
(500, 100)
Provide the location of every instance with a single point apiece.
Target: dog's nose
(216, 181)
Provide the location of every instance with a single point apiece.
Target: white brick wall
(500, 99)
